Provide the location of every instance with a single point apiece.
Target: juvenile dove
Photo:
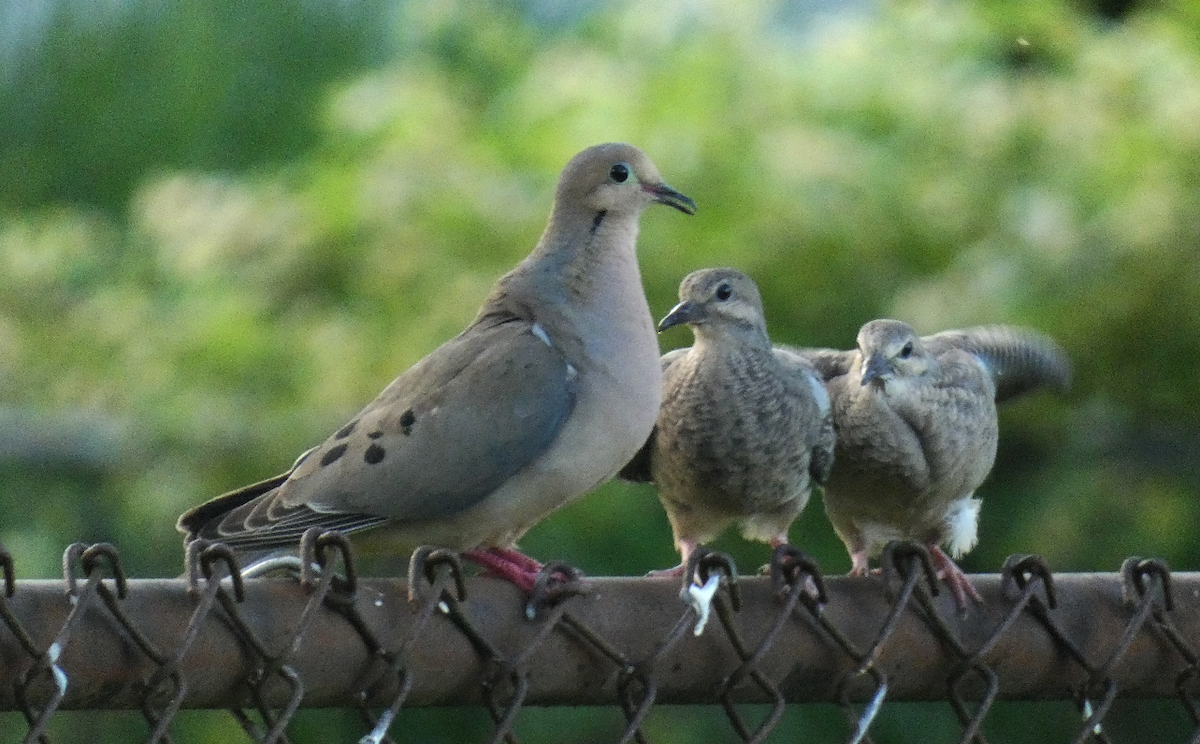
(917, 431)
(744, 428)
(544, 396)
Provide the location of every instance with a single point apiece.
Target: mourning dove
(543, 397)
(744, 428)
(917, 431)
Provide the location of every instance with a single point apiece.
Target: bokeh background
(225, 226)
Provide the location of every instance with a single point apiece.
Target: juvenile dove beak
(876, 367)
(684, 312)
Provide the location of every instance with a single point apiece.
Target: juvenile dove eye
(619, 173)
(724, 292)
(906, 352)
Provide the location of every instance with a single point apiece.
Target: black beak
(684, 312)
(875, 368)
(664, 194)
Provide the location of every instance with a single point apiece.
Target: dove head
(890, 349)
(615, 178)
(719, 301)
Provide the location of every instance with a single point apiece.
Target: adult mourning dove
(744, 428)
(917, 431)
(544, 396)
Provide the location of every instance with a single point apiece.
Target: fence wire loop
(316, 545)
(1019, 569)
(423, 569)
(200, 558)
(69, 561)
(555, 583)
(1136, 571)
(789, 566)
(92, 556)
(704, 562)
(897, 562)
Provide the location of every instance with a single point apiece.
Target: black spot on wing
(407, 419)
(346, 430)
(374, 454)
(333, 454)
(375, 434)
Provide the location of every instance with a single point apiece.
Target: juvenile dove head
(715, 301)
(891, 349)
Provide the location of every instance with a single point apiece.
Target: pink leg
(954, 577)
(499, 563)
(858, 563)
(516, 557)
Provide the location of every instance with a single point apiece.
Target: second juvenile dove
(744, 429)
(548, 392)
(917, 433)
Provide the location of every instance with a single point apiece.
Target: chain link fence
(264, 648)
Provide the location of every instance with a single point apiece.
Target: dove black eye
(619, 173)
(906, 352)
(724, 292)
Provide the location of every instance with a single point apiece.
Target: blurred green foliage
(225, 228)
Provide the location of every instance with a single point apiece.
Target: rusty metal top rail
(98, 640)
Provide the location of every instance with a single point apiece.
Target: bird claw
(961, 588)
(700, 599)
(667, 573)
(949, 572)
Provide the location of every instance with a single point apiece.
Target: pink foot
(858, 563)
(954, 577)
(667, 573)
(686, 548)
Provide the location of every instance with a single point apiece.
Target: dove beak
(876, 368)
(664, 194)
(684, 312)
